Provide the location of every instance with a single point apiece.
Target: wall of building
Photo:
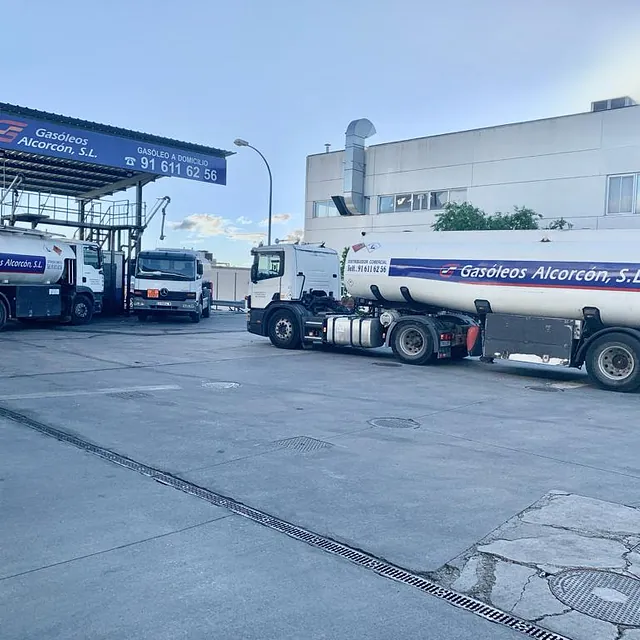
(560, 167)
(229, 283)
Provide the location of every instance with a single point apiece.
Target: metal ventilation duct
(352, 202)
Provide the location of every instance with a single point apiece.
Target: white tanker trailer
(565, 298)
(45, 276)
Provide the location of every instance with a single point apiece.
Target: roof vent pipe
(352, 203)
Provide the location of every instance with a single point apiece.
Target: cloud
(208, 225)
(202, 223)
(243, 220)
(293, 236)
(278, 218)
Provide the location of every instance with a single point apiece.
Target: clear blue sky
(289, 75)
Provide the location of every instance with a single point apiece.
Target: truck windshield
(166, 268)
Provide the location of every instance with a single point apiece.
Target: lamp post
(243, 143)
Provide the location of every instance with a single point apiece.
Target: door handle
(84, 279)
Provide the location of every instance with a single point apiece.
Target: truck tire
(284, 330)
(195, 317)
(412, 343)
(81, 310)
(4, 315)
(613, 362)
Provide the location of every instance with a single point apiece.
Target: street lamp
(239, 142)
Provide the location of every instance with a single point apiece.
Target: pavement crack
(524, 588)
(116, 548)
(552, 615)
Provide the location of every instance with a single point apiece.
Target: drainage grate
(220, 385)
(362, 559)
(600, 594)
(386, 364)
(129, 395)
(394, 423)
(303, 444)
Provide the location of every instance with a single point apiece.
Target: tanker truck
(46, 276)
(561, 298)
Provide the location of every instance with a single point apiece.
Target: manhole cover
(600, 594)
(394, 423)
(386, 364)
(543, 388)
(129, 395)
(220, 385)
(303, 444)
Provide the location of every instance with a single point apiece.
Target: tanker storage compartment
(38, 302)
(529, 339)
(354, 332)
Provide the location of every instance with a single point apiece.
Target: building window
(403, 202)
(324, 209)
(622, 194)
(386, 204)
(424, 201)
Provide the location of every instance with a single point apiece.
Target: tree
(466, 217)
(343, 260)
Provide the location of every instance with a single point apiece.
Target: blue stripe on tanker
(612, 276)
(17, 263)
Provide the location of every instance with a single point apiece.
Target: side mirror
(200, 268)
(254, 273)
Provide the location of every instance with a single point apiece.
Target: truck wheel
(412, 343)
(613, 362)
(284, 331)
(4, 315)
(206, 312)
(81, 310)
(195, 317)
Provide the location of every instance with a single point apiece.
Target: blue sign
(69, 143)
(16, 263)
(613, 276)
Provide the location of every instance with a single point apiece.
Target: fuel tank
(536, 273)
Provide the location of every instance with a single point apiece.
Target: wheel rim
(284, 329)
(81, 310)
(616, 362)
(411, 342)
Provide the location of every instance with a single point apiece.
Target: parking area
(496, 481)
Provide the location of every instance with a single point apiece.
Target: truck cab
(170, 282)
(88, 278)
(283, 274)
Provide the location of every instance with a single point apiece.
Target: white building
(584, 168)
(230, 284)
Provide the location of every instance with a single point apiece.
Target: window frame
(330, 207)
(90, 249)
(423, 198)
(269, 276)
(635, 195)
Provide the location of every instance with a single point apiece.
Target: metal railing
(110, 213)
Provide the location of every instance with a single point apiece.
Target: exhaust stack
(353, 202)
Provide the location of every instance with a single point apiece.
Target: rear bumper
(160, 306)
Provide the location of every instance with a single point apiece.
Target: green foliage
(460, 217)
(343, 260)
(466, 217)
(558, 224)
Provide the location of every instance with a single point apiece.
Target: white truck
(170, 282)
(46, 276)
(564, 298)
